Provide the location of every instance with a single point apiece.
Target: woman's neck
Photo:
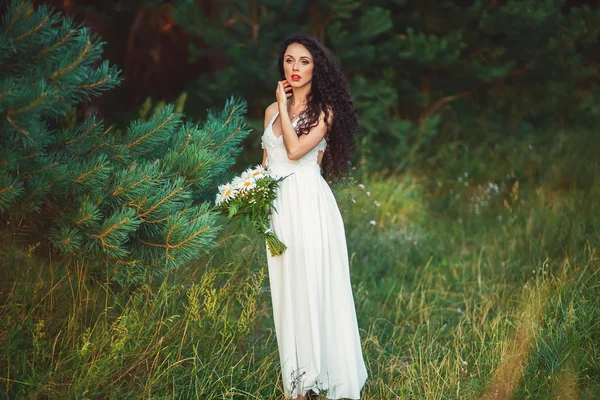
(299, 97)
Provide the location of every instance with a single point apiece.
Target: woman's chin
(298, 84)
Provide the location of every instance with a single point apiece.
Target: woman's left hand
(281, 93)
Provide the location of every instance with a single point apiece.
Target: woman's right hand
(283, 92)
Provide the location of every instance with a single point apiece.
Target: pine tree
(134, 199)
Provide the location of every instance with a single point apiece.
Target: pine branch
(233, 134)
(20, 6)
(87, 131)
(42, 169)
(17, 127)
(119, 190)
(32, 31)
(57, 45)
(169, 246)
(35, 103)
(96, 84)
(83, 177)
(152, 132)
(158, 204)
(75, 63)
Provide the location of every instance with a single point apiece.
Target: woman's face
(298, 65)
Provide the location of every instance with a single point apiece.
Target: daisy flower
(226, 193)
(243, 184)
(247, 174)
(256, 173)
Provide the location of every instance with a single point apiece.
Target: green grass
(476, 282)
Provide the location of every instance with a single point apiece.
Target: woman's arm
(297, 146)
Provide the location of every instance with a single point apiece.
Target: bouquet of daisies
(251, 196)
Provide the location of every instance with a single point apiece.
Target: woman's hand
(283, 92)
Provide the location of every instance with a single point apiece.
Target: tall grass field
(478, 280)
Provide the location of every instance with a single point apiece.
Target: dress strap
(273, 118)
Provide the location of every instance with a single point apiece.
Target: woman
(313, 307)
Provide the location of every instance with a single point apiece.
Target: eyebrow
(288, 55)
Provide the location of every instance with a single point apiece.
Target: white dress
(313, 307)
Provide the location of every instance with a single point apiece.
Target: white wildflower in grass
(361, 186)
(482, 196)
(251, 196)
(372, 222)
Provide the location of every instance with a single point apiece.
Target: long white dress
(313, 307)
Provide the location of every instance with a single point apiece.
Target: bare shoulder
(269, 113)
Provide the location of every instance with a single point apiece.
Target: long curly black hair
(329, 93)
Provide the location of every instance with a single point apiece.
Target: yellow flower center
(247, 183)
(227, 192)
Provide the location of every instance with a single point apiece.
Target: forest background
(471, 212)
